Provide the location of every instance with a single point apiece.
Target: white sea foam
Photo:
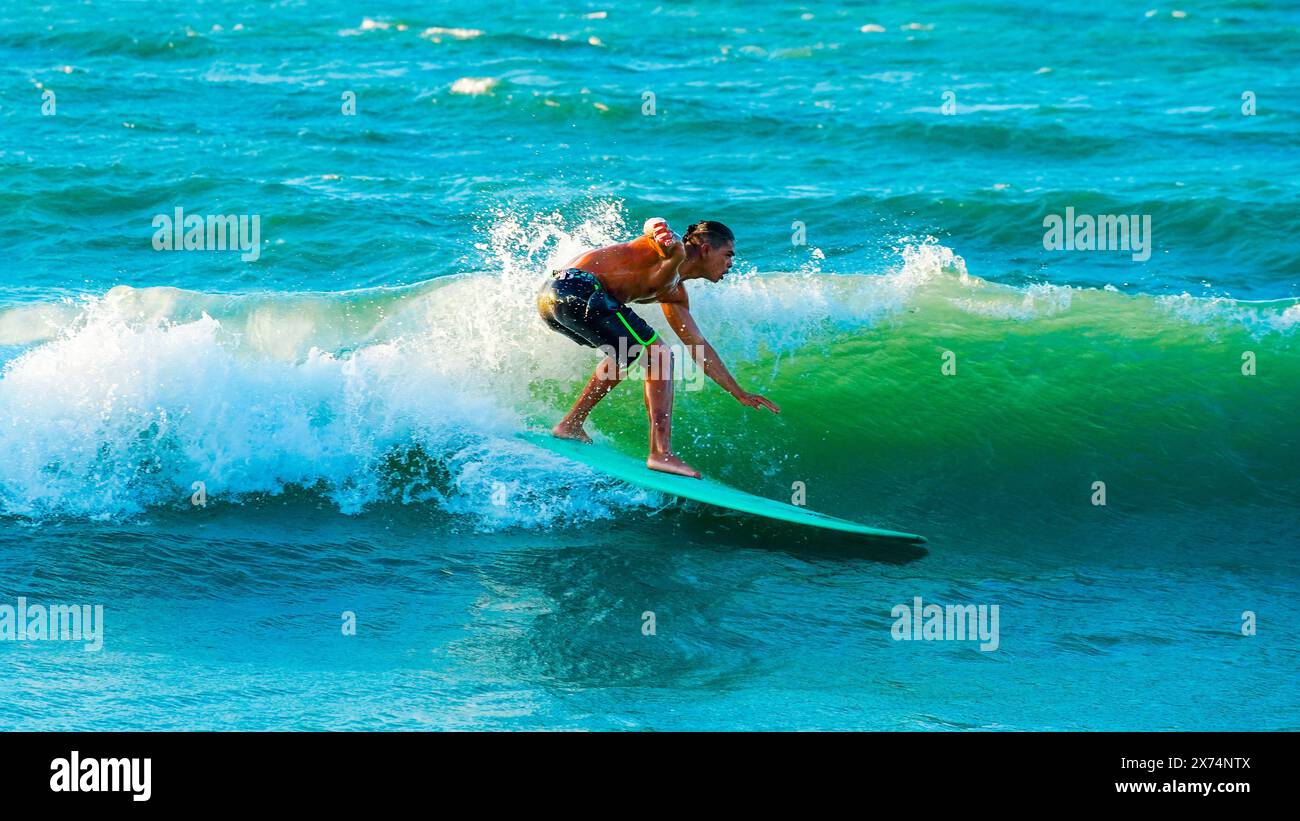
(437, 32)
(1019, 304)
(1261, 318)
(474, 85)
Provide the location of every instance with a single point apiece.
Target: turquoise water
(349, 399)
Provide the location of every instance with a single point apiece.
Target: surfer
(587, 301)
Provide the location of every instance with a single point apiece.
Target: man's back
(633, 271)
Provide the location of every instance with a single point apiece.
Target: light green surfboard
(612, 463)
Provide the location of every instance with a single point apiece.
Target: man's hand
(665, 241)
(753, 400)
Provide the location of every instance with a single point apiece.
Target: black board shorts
(572, 303)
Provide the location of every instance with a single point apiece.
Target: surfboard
(610, 462)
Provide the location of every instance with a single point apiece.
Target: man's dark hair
(708, 232)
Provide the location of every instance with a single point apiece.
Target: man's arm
(678, 311)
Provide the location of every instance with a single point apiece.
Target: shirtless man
(587, 302)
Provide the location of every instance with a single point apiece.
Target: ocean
(290, 477)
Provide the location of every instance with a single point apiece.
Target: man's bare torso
(634, 271)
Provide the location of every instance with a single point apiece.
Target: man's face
(717, 260)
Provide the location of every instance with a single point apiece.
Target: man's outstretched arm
(683, 324)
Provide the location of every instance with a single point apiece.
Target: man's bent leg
(606, 376)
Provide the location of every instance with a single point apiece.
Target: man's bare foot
(668, 463)
(567, 431)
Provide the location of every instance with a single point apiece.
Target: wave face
(924, 386)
